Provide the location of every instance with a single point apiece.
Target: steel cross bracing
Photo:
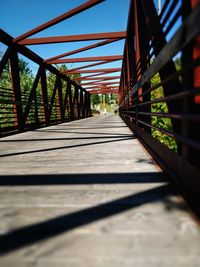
(107, 38)
(69, 99)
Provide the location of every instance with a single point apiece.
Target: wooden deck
(86, 194)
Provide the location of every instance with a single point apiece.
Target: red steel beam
(95, 71)
(95, 78)
(102, 88)
(95, 92)
(196, 54)
(88, 66)
(91, 83)
(98, 87)
(94, 75)
(108, 41)
(86, 59)
(73, 38)
(60, 18)
(101, 83)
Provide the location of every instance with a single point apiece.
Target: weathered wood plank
(85, 193)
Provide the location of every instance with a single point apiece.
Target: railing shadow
(83, 179)
(40, 231)
(63, 139)
(62, 147)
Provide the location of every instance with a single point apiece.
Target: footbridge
(117, 189)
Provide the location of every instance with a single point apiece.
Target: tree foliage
(161, 122)
(95, 100)
(26, 83)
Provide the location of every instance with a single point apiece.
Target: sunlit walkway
(86, 193)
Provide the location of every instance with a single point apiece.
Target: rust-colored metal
(196, 54)
(94, 75)
(96, 78)
(149, 55)
(45, 103)
(99, 44)
(73, 38)
(32, 95)
(39, 106)
(97, 87)
(100, 83)
(137, 44)
(89, 66)
(102, 87)
(16, 89)
(60, 18)
(104, 91)
(91, 83)
(87, 59)
(96, 71)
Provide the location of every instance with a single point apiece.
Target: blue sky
(20, 16)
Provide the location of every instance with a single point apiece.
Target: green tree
(95, 99)
(26, 80)
(161, 122)
(51, 79)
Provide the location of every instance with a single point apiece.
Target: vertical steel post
(45, 95)
(71, 101)
(158, 42)
(144, 62)
(196, 54)
(36, 109)
(89, 105)
(16, 88)
(81, 104)
(84, 105)
(191, 80)
(75, 102)
(60, 98)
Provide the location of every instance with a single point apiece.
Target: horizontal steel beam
(95, 78)
(99, 44)
(99, 88)
(97, 92)
(95, 75)
(95, 71)
(104, 89)
(101, 84)
(89, 66)
(86, 59)
(103, 92)
(73, 38)
(60, 18)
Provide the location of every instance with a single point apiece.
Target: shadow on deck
(70, 201)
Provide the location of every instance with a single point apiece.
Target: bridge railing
(160, 87)
(23, 108)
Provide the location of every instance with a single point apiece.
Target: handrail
(39, 106)
(159, 97)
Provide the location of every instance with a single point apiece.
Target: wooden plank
(85, 186)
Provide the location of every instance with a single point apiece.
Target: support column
(16, 88)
